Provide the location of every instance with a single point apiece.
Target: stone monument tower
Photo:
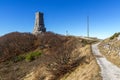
(39, 23)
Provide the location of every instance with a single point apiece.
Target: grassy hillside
(110, 47)
(87, 70)
(47, 56)
(16, 43)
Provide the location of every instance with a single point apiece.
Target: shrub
(115, 35)
(61, 58)
(31, 56)
(84, 41)
(50, 39)
(17, 58)
(16, 43)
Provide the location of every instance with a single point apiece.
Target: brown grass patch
(112, 51)
(85, 71)
(60, 55)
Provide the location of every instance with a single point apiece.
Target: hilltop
(47, 56)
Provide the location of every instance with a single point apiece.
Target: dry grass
(112, 52)
(98, 56)
(112, 57)
(16, 43)
(60, 55)
(88, 70)
(60, 59)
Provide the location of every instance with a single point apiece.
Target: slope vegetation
(46, 56)
(110, 47)
(87, 70)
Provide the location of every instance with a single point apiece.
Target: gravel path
(109, 71)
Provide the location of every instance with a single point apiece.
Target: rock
(118, 38)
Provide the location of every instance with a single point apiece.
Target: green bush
(15, 43)
(20, 58)
(31, 56)
(115, 35)
(17, 58)
(84, 41)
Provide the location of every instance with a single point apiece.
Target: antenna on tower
(87, 26)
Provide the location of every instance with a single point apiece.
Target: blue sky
(61, 16)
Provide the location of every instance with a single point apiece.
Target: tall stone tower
(39, 23)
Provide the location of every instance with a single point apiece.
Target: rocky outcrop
(110, 47)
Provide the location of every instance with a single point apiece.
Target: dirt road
(109, 71)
